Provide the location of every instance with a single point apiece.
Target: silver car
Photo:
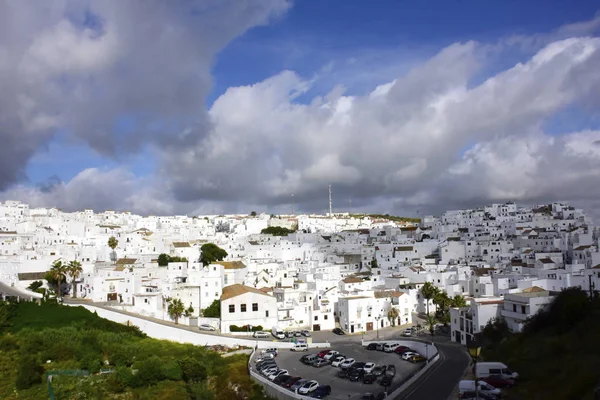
(206, 327)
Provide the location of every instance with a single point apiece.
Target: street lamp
(474, 347)
(377, 321)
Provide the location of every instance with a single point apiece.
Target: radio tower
(330, 208)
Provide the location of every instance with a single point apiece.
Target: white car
(330, 355)
(305, 333)
(269, 370)
(266, 356)
(206, 327)
(368, 368)
(408, 332)
(275, 374)
(347, 363)
(308, 387)
(338, 362)
(409, 354)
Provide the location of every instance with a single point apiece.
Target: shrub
(235, 328)
(192, 369)
(29, 372)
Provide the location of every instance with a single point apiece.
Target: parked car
(264, 364)
(268, 370)
(305, 332)
(369, 378)
(343, 373)
(499, 381)
(417, 359)
(297, 334)
(472, 395)
(308, 387)
(264, 357)
(291, 381)
(331, 354)
(260, 334)
(359, 365)
(369, 367)
(300, 347)
(484, 387)
(386, 381)
(206, 327)
(323, 353)
(380, 346)
(379, 370)
(338, 331)
(371, 396)
(320, 363)
(298, 384)
(355, 374)
(408, 332)
(275, 374)
(272, 350)
(338, 361)
(409, 354)
(372, 346)
(281, 379)
(288, 334)
(402, 349)
(321, 392)
(309, 359)
(347, 363)
(390, 370)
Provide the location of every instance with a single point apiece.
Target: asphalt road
(8, 290)
(440, 381)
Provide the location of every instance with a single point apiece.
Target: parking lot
(342, 388)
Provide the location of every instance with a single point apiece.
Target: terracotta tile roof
(404, 248)
(126, 261)
(546, 261)
(31, 276)
(534, 289)
(181, 244)
(596, 266)
(583, 247)
(387, 293)
(231, 264)
(352, 280)
(238, 290)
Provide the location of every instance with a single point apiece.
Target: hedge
(235, 328)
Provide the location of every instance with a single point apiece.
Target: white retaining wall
(160, 331)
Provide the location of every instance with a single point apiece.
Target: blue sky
(355, 43)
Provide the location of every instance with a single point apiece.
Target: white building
(244, 305)
(520, 306)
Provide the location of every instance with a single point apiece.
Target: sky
(230, 106)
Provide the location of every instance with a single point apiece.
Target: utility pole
(292, 204)
(330, 207)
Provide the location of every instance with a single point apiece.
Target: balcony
(514, 315)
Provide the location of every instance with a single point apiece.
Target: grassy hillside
(556, 356)
(75, 339)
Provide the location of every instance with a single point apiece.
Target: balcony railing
(514, 315)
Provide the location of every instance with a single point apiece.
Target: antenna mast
(330, 208)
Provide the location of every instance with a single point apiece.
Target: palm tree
(58, 272)
(443, 301)
(393, 315)
(113, 243)
(428, 291)
(430, 321)
(74, 269)
(458, 301)
(176, 309)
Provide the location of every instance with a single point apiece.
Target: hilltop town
(313, 272)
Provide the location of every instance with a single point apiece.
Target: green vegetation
(393, 315)
(555, 355)
(113, 243)
(72, 338)
(35, 285)
(165, 259)
(277, 231)
(211, 253)
(213, 311)
(388, 217)
(74, 269)
(175, 309)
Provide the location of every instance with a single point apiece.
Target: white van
(485, 369)
(469, 386)
(300, 347)
(390, 347)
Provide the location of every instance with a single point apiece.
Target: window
(325, 317)
(316, 317)
(267, 313)
(243, 308)
(514, 308)
(254, 306)
(523, 309)
(232, 308)
(205, 284)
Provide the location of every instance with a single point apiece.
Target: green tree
(211, 253)
(213, 311)
(113, 243)
(373, 263)
(58, 272)
(35, 285)
(458, 301)
(253, 214)
(189, 311)
(163, 260)
(428, 291)
(430, 322)
(74, 270)
(277, 231)
(175, 309)
(29, 372)
(192, 369)
(392, 315)
(443, 302)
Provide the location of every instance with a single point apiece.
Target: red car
(290, 382)
(323, 353)
(401, 349)
(499, 381)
